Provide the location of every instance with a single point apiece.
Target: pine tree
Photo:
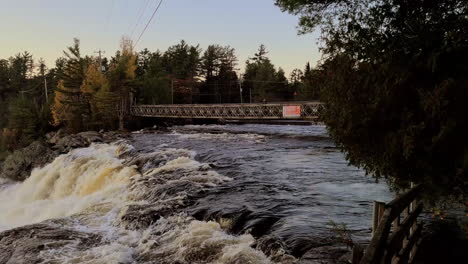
(261, 77)
(27, 119)
(69, 105)
(183, 60)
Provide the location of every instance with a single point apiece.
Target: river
(194, 194)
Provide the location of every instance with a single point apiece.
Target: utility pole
(240, 87)
(45, 90)
(100, 52)
(172, 90)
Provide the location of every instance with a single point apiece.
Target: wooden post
(379, 208)
(357, 254)
(400, 244)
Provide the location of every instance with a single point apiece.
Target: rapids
(196, 194)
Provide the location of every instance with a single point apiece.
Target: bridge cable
(149, 22)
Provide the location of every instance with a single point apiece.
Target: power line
(140, 16)
(109, 15)
(147, 24)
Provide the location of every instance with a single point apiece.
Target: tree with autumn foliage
(100, 100)
(121, 77)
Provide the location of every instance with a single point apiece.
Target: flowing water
(194, 194)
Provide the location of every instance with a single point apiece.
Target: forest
(82, 92)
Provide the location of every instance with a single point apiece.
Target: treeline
(186, 74)
(84, 92)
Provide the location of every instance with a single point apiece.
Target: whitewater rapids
(115, 205)
(193, 194)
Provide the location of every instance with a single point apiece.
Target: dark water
(288, 181)
(231, 194)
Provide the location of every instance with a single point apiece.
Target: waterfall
(72, 183)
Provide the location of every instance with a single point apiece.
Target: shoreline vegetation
(82, 93)
(394, 87)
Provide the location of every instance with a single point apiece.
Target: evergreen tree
(261, 78)
(27, 119)
(143, 61)
(282, 88)
(69, 106)
(394, 80)
(296, 83)
(183, 60)
(5, 89)
(20, 73)
(217, 67)
(308, 85)
(155, 84)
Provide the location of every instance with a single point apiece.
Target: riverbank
(18, 165)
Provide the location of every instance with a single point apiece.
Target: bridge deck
(294, 110)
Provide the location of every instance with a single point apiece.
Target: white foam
(196, 241)
(90, 187)
(69, 185)
(221, 136)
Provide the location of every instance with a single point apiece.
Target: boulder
(325, 255)
(91, 136)
(67, 143)
(19, 164)
(53, 137)
(25, 244)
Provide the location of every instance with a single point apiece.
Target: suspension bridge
(265, 111)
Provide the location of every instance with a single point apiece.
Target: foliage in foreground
(394, 81)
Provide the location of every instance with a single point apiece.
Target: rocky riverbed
(194, 194)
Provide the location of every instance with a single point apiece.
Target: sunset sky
(45, 28)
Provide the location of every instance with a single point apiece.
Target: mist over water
(196, 194)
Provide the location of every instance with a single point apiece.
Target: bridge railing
(293, 110)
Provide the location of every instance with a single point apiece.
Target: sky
(46, 27)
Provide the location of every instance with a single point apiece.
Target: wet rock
(53, 137)
(20, 163)
(269, 245)
(274, 248)
(170, 183)
(24, 244)
(137, 217)
(84, 139)
(325, 255)
(64, 143)
(91, 136)
(69, 142)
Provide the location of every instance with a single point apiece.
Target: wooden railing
(396, 231)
